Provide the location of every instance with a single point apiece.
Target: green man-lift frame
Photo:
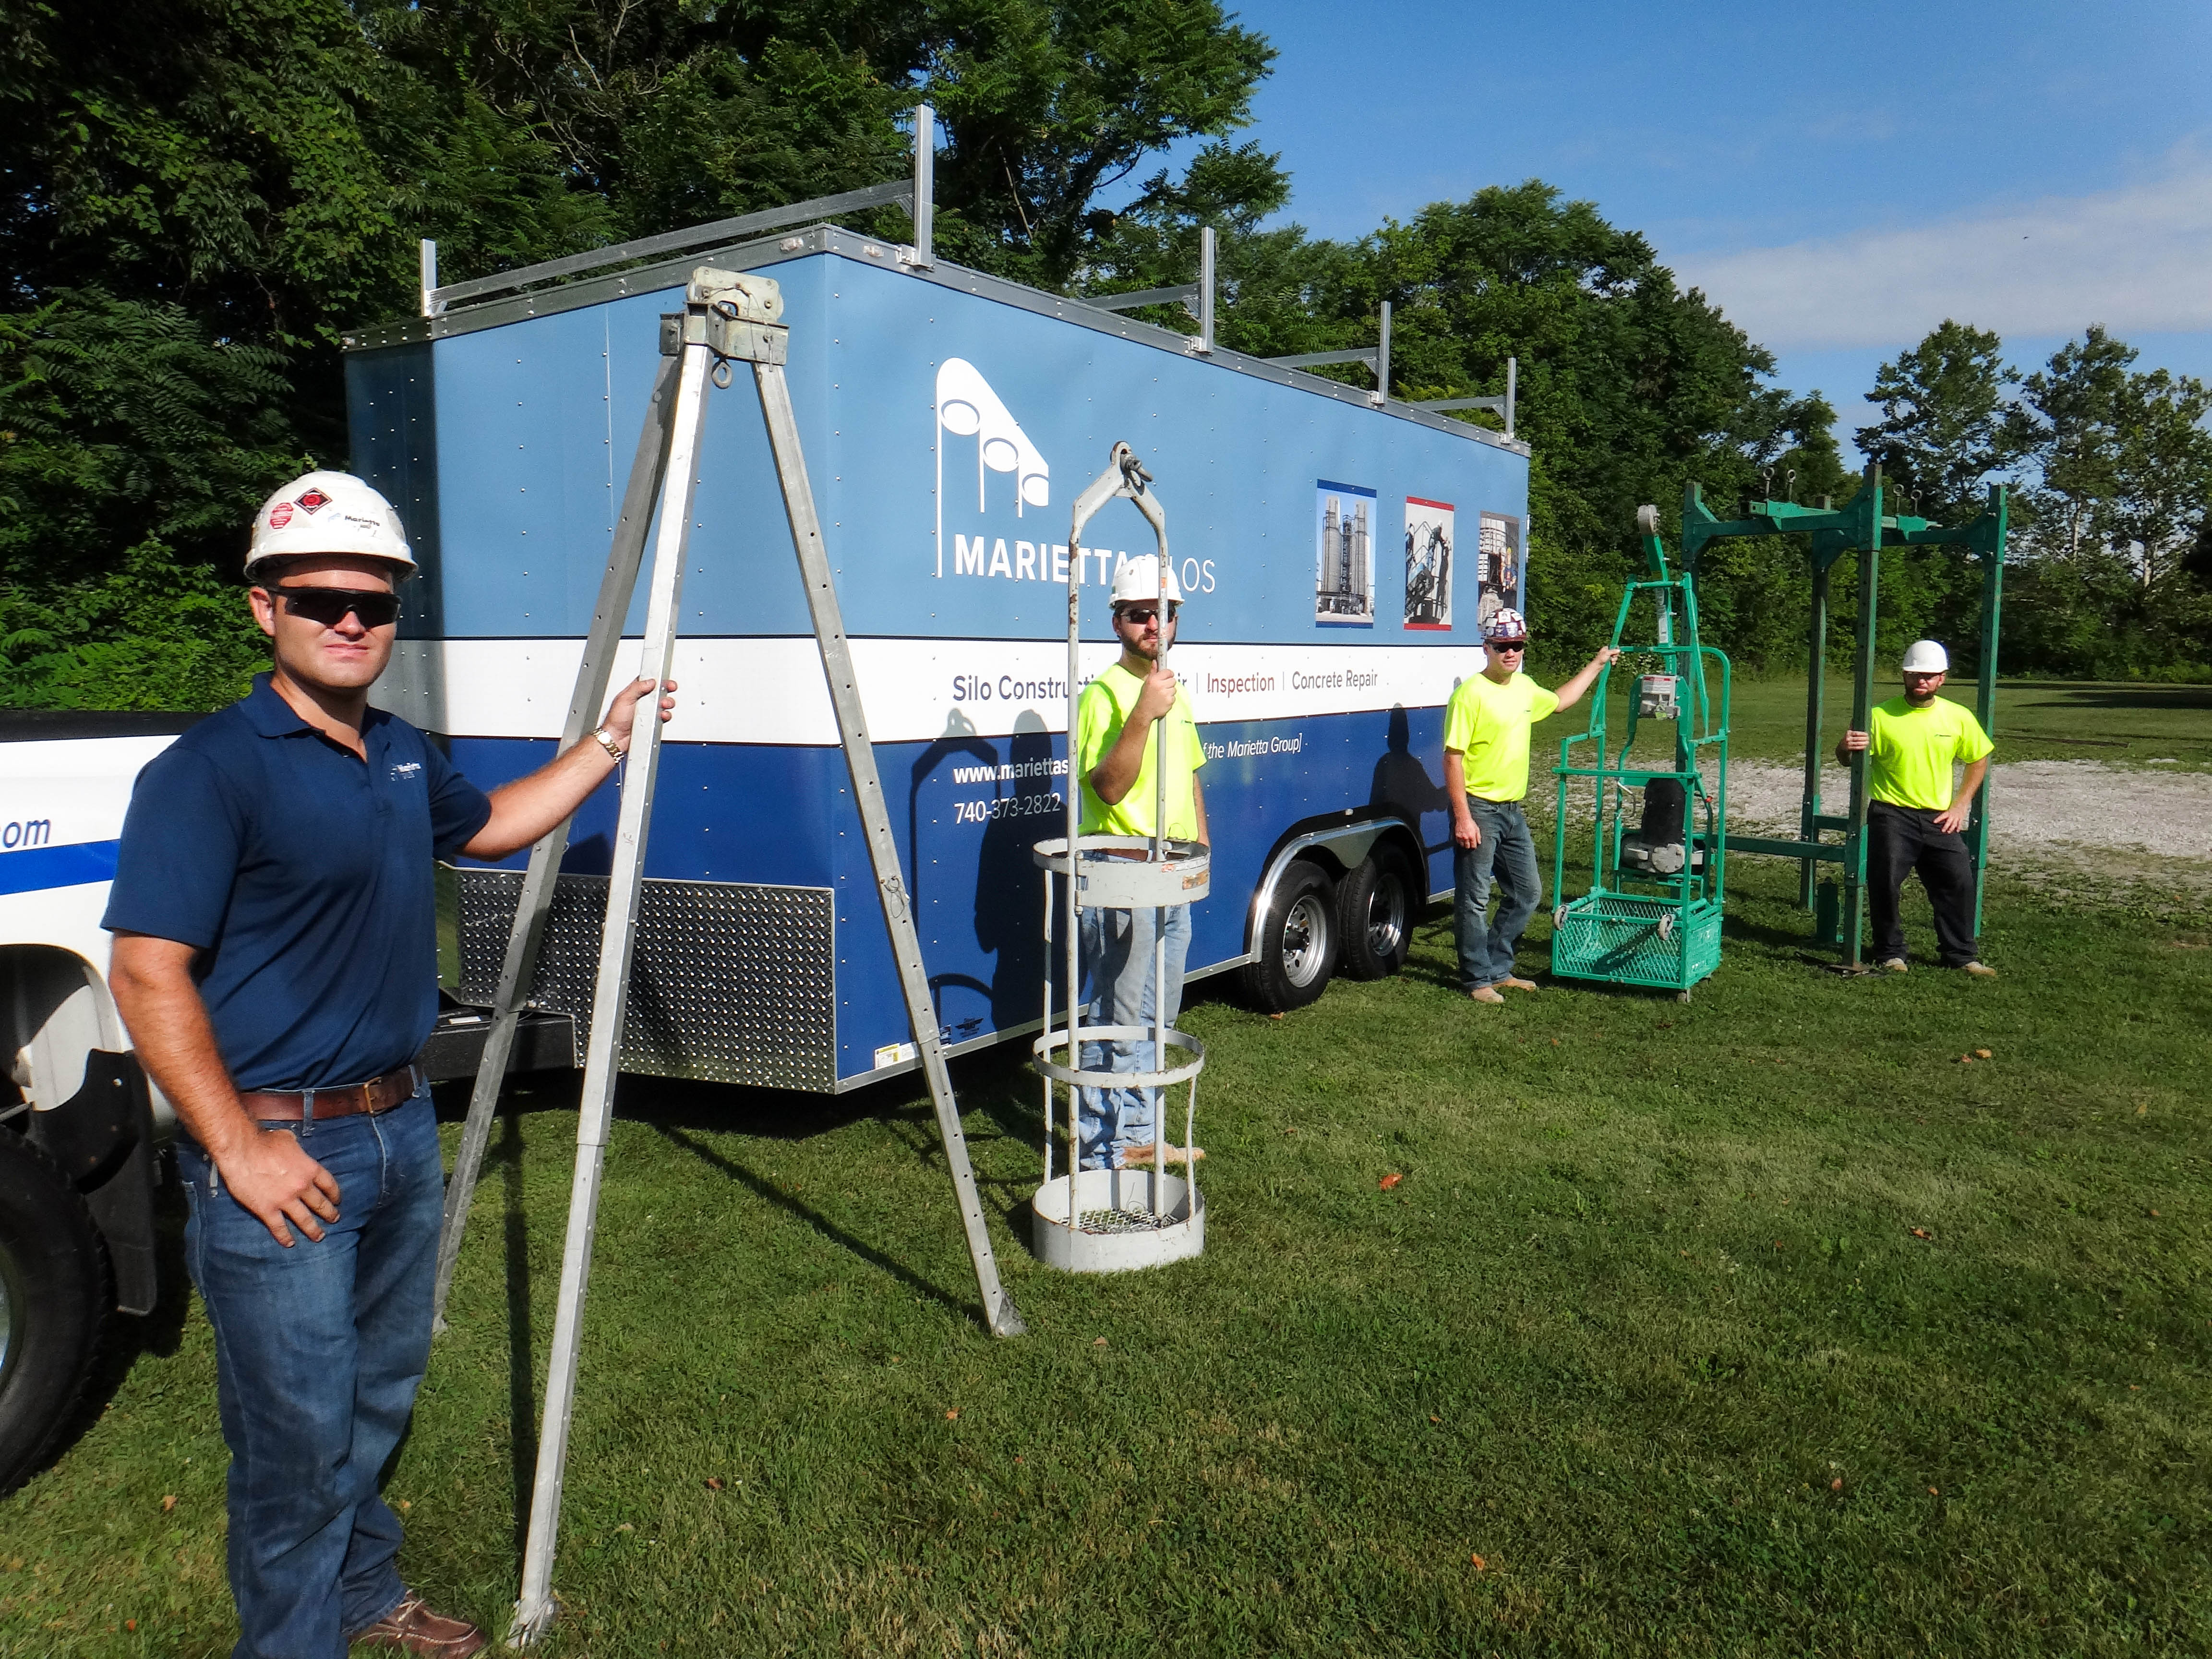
(1651, 915)
(1859, 524)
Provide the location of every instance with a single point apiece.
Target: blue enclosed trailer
(1337, 554)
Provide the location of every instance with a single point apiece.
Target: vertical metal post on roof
(1205, 287)
(925, 183)
(1383, 360)
(1512, 390)
(427, 268)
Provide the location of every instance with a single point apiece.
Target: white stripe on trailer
(771, 691)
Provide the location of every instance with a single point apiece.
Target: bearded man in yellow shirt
(1486, 776)
(1914, 821)
(1116, 749)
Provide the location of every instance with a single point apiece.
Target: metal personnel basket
(1627, 940)
(1112, 1220)
(1651, 913)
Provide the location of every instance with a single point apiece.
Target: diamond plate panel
(729, 982)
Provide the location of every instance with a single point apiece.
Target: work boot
(1979, 970)
(1510, 983)
(1893, 965)
(1485, 993)
(411, 1627)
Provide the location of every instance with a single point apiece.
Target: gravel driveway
(2037, 805)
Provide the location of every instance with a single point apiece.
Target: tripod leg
(999, 1308)
(534, 1611)
(535, 903)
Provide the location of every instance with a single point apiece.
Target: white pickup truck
(81, 1130)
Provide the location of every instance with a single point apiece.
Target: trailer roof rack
(482, 302)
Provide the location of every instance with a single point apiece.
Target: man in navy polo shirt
(276, 959)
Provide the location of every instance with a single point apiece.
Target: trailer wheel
(1375, 913)
(54, 1299)
(1298, 941)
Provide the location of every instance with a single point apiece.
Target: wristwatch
(607, 743)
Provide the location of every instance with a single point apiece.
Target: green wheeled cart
(1651, 914)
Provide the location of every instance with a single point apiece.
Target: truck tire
(54, 1299)
(1298, 941)
(1375, 916)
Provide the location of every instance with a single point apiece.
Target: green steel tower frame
(1859, 526)
(1649, 926)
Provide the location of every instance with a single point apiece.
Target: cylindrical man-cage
(1110, 1220)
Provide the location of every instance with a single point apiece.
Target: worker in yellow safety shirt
(1486, 776)
(1915, 819)
(1116, 750)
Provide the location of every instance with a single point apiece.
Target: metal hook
(722, 374)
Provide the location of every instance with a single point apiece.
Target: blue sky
(1840, 178)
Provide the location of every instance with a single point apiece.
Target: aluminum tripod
(728, 318)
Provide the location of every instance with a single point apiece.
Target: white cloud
(2137, 259)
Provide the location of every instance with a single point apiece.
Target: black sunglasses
(1141, 614)
(329, 605)
(1508, 645)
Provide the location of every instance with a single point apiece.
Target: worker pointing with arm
(1914, 820)
(276, 961)
(1487, 728)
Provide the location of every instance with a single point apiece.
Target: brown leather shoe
(1510, 983)
(411, 1627)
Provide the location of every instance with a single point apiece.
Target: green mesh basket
(1637, 941)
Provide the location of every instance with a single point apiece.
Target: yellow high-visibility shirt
(1488, 723)
(1910, 751)
(1100, 713)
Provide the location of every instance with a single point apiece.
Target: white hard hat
(1925, 657)
(328, 513)
(1140, 579)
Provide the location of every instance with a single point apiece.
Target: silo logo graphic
(967, 408)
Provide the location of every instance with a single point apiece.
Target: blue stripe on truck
(34, 868)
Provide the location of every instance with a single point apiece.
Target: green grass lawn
(1759, 1325)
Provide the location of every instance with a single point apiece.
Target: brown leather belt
(313, 1105)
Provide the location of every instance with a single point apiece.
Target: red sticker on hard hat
(314, 499)
(280, 515)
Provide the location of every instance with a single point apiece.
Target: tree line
(200, 195)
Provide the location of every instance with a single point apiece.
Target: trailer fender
(1341, 844)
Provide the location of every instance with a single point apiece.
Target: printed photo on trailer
(1498, 574)
(1428, 564)
(1344, 534)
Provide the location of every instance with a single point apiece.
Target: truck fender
(59, 1032)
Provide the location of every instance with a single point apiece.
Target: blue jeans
(1507, 853)
(318, 1351)
(1117, 952)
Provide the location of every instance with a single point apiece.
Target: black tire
(54, 1300)
(1298, 941)
(1374, 909)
